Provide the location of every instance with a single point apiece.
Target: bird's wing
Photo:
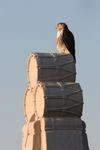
(69, 41)
(65, 38)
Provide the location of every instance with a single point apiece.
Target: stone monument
(53, 105)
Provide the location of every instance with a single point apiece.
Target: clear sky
(30, 26)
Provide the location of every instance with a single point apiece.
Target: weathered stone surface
(31, 137)
(50, 67)
(55, 134)
(29, 104)
(58, 99)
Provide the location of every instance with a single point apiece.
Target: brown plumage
(65, 41)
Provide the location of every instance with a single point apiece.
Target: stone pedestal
(53, 105)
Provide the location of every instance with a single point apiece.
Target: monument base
(55, 134)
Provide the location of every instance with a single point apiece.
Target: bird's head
(61, 26)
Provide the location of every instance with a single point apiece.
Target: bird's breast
(59, 33)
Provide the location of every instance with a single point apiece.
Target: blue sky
(30, 26)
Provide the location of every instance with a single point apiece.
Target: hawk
(65, 40)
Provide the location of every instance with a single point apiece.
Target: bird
(65, 42)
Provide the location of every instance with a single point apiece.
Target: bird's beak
(56, 27)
